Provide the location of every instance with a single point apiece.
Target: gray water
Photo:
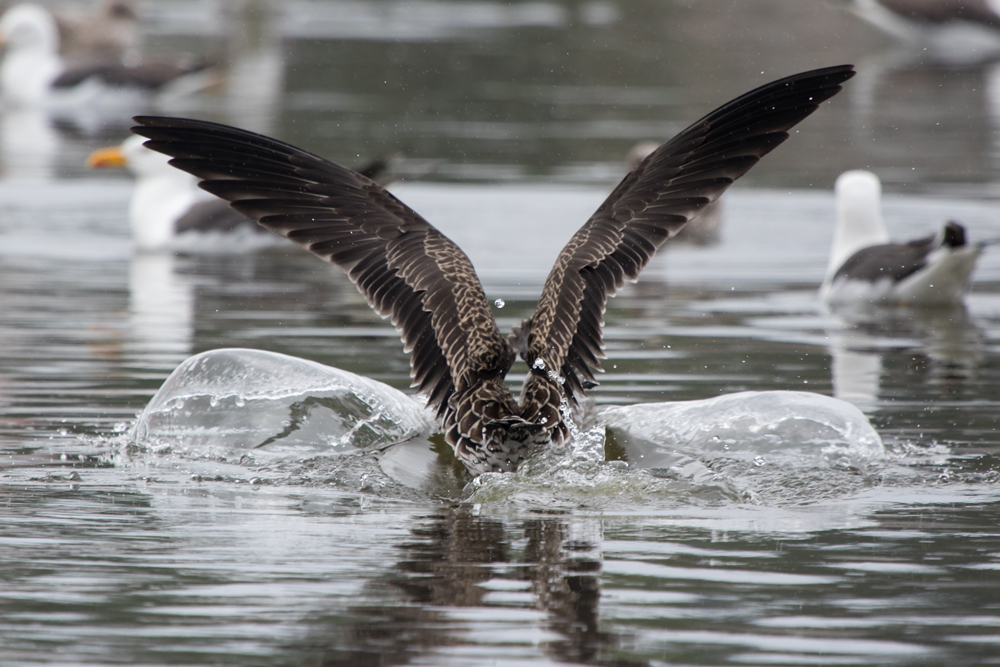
(516, 116)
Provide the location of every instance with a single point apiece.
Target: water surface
(517, 115)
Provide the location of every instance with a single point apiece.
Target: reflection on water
(532, 583)
(314, 577)
(161, 308)
(334, 563)
(944, 344)
(28, 143)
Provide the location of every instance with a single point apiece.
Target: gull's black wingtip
(838, 73)
(140, 124)
(145, 125)
(827, 78)
(830, 76)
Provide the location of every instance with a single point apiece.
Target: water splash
(245, 416)
(228, 403)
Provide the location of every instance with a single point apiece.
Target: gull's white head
(858, 196)
(31, 58)
(162, 193)
(29, 27)
(141, 161)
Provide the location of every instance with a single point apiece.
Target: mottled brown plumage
(410, 272)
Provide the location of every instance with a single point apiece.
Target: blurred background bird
(866, 269)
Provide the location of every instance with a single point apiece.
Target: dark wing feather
(666, 190)
(147, 76)
(888, 261)
(405, 268)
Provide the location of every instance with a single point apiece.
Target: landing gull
(410, 272)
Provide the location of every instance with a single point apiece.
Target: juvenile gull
(105, 34)
(866, 269)
(410, 272)
(702, 230)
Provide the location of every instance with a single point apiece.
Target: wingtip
(143, 124)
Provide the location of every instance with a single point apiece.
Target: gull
(865, 268)
(33, 73)
(107, 34)
(411, 273)
(167, 209)
(955, 31)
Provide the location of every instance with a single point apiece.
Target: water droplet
(240, 401)
(543, 420)
(499, 303)
(539, 364)
(758, 461)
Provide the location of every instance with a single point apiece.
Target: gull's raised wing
(651, 204)
(404, 267)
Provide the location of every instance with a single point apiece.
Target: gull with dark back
(410, 272)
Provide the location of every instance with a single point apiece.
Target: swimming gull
(34, 74)
(106, 34)
(167, 203)
(866, 269)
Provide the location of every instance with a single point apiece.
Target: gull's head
(28, 27)
(118, 10)
(859, 194)
(132, 155)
